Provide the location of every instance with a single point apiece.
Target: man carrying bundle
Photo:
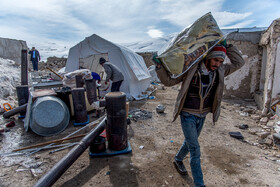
(201, 92)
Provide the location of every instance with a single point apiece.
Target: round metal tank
(49, 116)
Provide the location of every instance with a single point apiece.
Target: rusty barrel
(22, 95)
(79, 103)
(24, 67)
(91, 90)
(79, 81)
(116, 127)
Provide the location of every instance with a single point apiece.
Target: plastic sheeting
(190, 44)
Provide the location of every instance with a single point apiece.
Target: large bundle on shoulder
(190, 45)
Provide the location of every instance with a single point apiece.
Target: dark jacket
(113, 72)
(225, 69)
(37, 55)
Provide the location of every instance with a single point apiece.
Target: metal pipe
(55, 173)
(23, 95)
(24, 67)
(87, 127)
(15, 111)
(91, 90)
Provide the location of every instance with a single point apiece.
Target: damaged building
(259, 78)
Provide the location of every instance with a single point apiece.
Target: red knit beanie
(218, 51)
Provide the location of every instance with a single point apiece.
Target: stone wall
(54, 63)
(11, 49)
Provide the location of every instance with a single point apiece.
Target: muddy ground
(226, 161)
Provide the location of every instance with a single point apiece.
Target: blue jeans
(192, 126)
(35, 64)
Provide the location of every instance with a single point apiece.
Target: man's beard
(208, 66)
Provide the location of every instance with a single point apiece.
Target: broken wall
(270, 42)
(244, 82)
(11, 49)
(276, 82)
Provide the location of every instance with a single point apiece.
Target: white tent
(87, 54)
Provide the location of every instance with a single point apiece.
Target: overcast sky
(123, 21)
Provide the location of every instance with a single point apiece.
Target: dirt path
(225, 161)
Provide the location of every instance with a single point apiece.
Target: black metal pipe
(24, 67)
(55, 173)
(91, 90)
(23, 95)
(15, 111)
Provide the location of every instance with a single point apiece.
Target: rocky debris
(243, 126)
(263, 134)
(244, 114)
(248, 165)
(54, 63)
(139, 114)
(248, 110)
(253, 131)
(277, 128)
(269, 140)
(264, 120)
(276, 138)
(270, 124)
(266, 128)
(256, 117)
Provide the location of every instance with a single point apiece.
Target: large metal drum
(49, 116)
(116, 127)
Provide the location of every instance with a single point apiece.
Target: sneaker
(179, 165)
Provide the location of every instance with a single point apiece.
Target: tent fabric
(132, 65)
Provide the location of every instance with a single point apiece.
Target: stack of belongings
(190, 45)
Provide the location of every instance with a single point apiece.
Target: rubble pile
(139, 114)
(54, 63)
(268, 127)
